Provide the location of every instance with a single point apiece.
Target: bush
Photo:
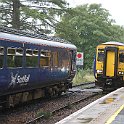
(46, 115)
(83, 76)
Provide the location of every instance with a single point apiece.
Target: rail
(35, 120)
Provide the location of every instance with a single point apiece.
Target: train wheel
(59, 93)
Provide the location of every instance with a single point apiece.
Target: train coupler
(109, 82)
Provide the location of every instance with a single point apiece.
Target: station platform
(106, 110)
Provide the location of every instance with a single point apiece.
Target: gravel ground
(22, 114)
(65, 112)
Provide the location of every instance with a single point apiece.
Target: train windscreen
(100, 55)
(121, 56)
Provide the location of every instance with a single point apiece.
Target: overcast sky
(115, 7)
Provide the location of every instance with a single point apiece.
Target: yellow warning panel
(110, 63)
(108, 100)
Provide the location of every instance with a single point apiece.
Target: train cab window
(55, 58)
(14, 57)
(121, 56)
(45, 58)
(31, 58)
(1, 56)
(100, 55)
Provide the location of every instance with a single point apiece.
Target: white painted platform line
(86, 107)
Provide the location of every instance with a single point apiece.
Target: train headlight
(99, 71)
(121, 72)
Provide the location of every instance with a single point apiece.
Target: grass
(83, 76)
(46, 115)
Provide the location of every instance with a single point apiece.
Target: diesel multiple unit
(33, 66)
(109, 65)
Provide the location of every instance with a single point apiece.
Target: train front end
(109, 70)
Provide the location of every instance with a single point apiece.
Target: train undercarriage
(109, 83)
(12, 100)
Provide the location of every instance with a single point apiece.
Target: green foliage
(87, 26)
(69, 106)
(46, 115)
(83, 76)
(31, 15)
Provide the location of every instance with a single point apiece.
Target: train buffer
(107, 110)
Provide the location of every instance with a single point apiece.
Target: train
(33, 66)
(109, 65)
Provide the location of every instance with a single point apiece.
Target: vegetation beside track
(83, 76)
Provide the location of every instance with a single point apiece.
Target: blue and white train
(32, 68)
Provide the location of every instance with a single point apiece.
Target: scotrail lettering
(17, 79)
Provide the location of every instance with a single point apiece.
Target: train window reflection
(19, 52)
(1, 56)
(35, 53)
(31, 58)
(1, 51)
(11, 57)
(55, 59)
(14, 57)
(65, 59)
(100, 55)
(19, 57)
(45, 58)
(11, 51)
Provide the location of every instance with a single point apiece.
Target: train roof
(37, 40)
(114, 43)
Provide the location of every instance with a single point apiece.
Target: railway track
(85, 85)
(35, 120)
(36, 113)
(68, 105)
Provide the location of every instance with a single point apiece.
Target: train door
(110, 66)
(45, 66)
(70, 60)
(110, 63)
(73, 60)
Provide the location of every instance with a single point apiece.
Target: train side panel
(26, 78)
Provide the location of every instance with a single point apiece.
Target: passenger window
(35, 53)
(65, 59)
(55, 58)
(19, 57)
(31, 58)
(100, 55)
(14, 57)
(11, 52)
(45, 58)
(121, 56)
(1, 56)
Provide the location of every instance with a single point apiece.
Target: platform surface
(106, 110)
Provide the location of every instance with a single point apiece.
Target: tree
(31, 15)
(87, 26)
